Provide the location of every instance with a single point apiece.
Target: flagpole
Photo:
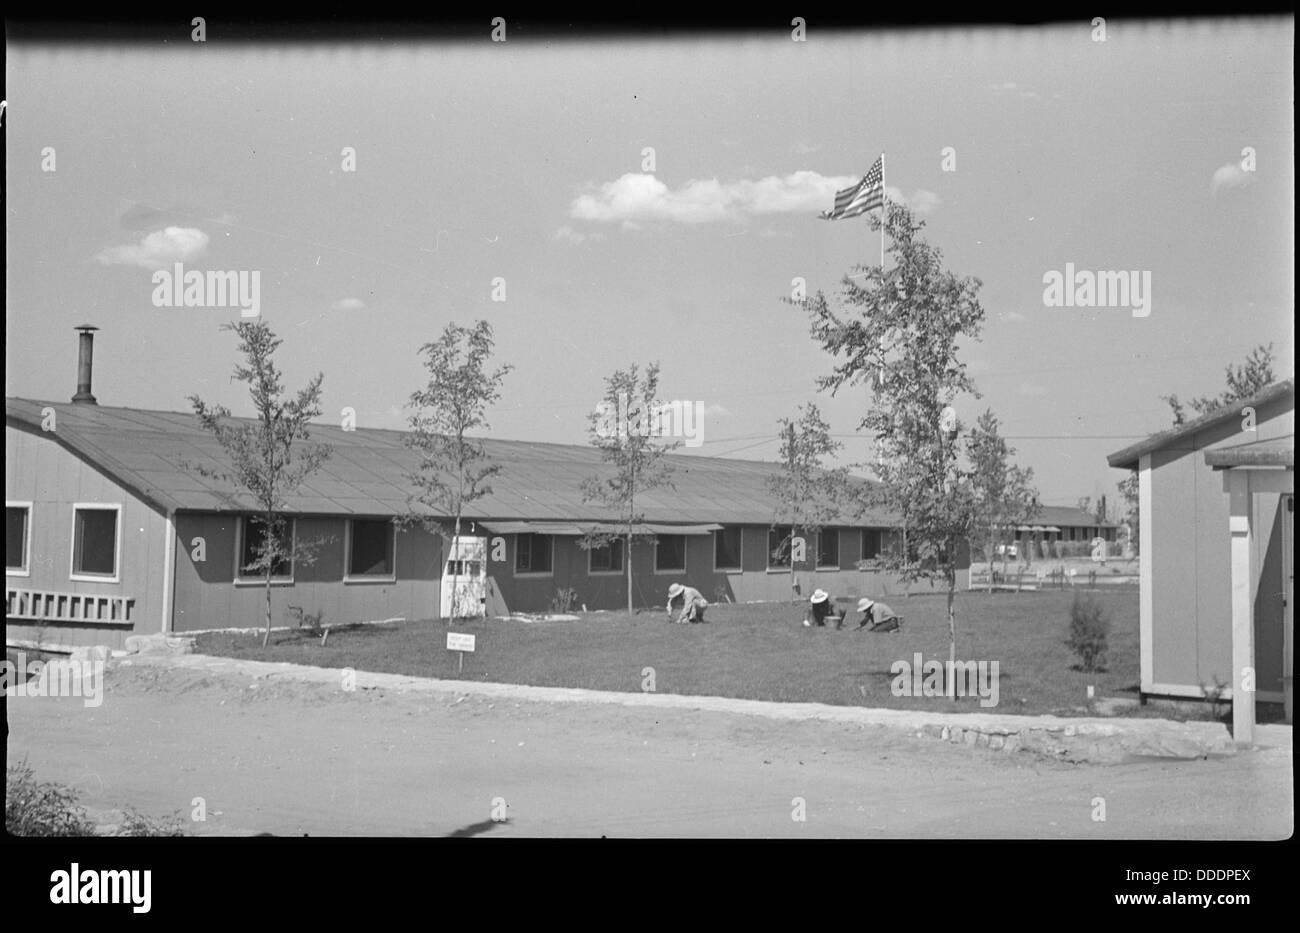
(883, 213)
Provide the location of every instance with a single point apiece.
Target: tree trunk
(793, 581)
(627, 562)
(952, 639)
(455, 573)
(266, 636)
(267, 531)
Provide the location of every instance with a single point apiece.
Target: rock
(160, 643)
(996, 741)
(90, 653)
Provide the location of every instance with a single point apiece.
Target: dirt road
(291, 758)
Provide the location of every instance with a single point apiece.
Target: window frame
(671, 570)
(348, 575)
(240, 531)
(880, 544)
(607, 573)
(116, 576)
(26, 569)
(789, 563)
(822, 532)
(533, 573)
(740, 557)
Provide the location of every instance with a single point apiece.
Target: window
(252, 536)
(18, 529)
(727, 549)
(778, 548)
(873, 543)
(670, 553)
(94, 542)
(607, 559)
(828, 548)
(533, 553)
(371, 547)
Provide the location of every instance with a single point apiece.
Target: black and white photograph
(789, 431)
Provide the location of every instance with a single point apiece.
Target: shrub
(1215, 695)
(33, 808)
(135, 823)
(1089, 626)
(565, 600)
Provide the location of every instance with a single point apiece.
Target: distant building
(1216, 499)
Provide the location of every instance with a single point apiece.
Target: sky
(520, 171)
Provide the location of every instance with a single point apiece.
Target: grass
(750, 651)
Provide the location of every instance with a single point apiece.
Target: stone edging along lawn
(1080, 740)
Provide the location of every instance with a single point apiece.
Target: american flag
(862, 197)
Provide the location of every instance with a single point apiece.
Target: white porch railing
(47, 606)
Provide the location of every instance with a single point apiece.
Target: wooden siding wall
(207, 597)
(40, 471)
(1191, 572)
(753, 583)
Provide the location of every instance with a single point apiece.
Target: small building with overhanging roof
(1215, 514)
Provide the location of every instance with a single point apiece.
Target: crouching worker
(819, 611)
(688, 602)
(877, 616)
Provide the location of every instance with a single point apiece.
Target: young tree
(626, 428)
(899, 333)
(808, 494)
(271, 457)
(1128, 491)
(454, 469)
(1004, 495)
(1244, 380)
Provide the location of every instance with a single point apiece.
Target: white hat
(819, 596)
(675, 590)
(865, 603)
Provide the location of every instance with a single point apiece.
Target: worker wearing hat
(820, 610)
(878, 616)
(691, 604)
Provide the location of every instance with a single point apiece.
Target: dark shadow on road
(475, 829)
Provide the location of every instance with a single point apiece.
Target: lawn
(754, 651)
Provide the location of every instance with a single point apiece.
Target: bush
(564, 600)
(135, 823)
(1089, 626)
(33, 808)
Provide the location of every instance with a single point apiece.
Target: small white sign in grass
(458, 641)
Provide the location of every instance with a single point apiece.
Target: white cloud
(158, 250)
(643, 197)
(920, 201)
(1029, 388)
(349, 304)
(715, 411)
(636, 197)
(1014, 317)
(1231, 175)
(569, 235)
(1011, 87)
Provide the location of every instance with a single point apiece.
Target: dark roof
(1172, 437)
(155, 454)
(1068, 515)
(1277, 452)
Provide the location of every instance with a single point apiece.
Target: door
(1288, 598)
(464, 579)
